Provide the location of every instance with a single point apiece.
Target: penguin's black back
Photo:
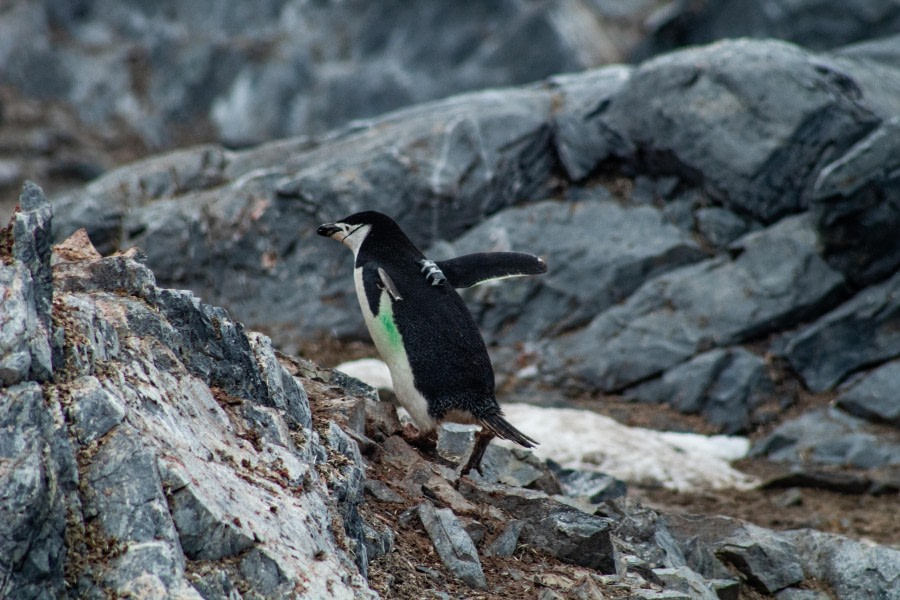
(449, 361)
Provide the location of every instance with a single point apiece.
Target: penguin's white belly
(389, 342)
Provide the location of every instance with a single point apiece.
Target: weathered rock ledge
(152, 447)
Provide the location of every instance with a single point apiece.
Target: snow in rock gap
(585, 440)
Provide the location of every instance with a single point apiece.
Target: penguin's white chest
(389, 342)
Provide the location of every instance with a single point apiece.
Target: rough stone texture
(24, 344)
(558, 529)
(874, 395)
(297, 68)
(811, 107)
(776, 278)
(856, 205)
(192, 442)
(505, 543)
(773, 561)
(685, 579)
(453, 544)
(850, 568)
(814, 24)
(859, 333)
(37, 484)
(32, 237)
(724, 385)
(619, 247)
(830, 436)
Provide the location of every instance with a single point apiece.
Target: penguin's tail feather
(500, 427)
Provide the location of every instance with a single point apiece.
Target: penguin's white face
(350, 235)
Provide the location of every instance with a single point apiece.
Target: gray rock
(25, 351)
(776, 278)
(455, 442)
(761, 161)
(579, 139)
(378, 543)
(801, 594)
(517, 467)
(724, 385)
(858, 333)
(768, 562)
(382, 492)
(643, 534)
(592, 486)
(505, 544)
(94, 410)
(38, 483)
(874, 395)
(32, 236)
(856, 205)
(453, 544)
(200, 513)
(598, 253)
(299, 68)
(851, 569)
(832, 437)
(125, 494)
(804, 22)
(767, 559)
(685, 579)
(719, 226)
(560, 530)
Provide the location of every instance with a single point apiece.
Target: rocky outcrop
(168, 452)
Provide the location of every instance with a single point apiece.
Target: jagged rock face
(169, 454)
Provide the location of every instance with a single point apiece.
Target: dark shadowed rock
(859, 333)
(830, 436)
(767, 559)
(284, 67)
(694, 123)
(776, 278)
(874, 395)
(856, 205)
(598, 253)
(38, 482)
(560, 530)
(811, 23)
(851, 569)
(724, 385)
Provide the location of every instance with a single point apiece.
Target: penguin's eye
(352, 231)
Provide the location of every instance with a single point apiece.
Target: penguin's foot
(482, 439)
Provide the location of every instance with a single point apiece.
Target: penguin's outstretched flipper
(501, 428)
(472, 269)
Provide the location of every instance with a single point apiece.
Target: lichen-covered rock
(192, 444)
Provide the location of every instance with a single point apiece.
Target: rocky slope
(152, 447)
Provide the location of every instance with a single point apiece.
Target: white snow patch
(370, 371)
(581, 439)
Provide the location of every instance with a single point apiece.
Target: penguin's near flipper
(473, 269)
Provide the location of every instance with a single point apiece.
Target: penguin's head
(353, 230)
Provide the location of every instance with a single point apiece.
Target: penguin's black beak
(328, 229)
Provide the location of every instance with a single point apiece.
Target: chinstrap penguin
(422, 328)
